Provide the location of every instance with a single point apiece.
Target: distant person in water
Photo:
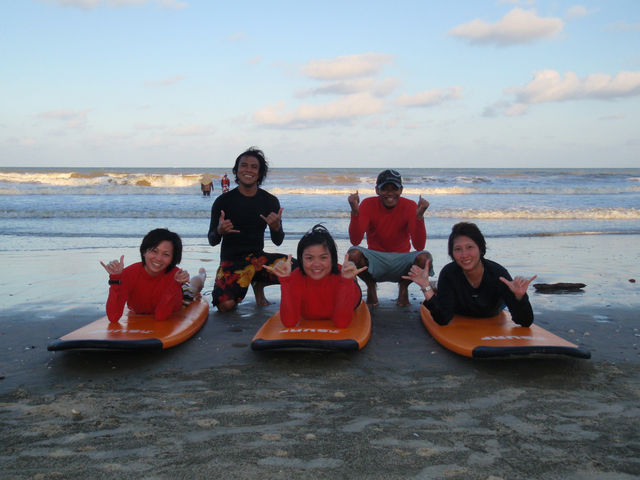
(206, 185)
(471, 285)
(239, 219)
(319, 288)
(224, 183)
(391, 223)
(154, 285)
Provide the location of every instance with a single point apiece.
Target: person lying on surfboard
(471, 285)
(153, 285)
(319, 288)
(392, 223)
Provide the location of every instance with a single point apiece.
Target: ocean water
(59, 208)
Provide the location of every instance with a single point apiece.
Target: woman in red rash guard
(319, 288)
(153, 285)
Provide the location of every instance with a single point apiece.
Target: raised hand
(282, 268)
(225, 225)
(181, 276)
(354, 202)
(422, 207)
(274, 220)
(518, 285)
(114, 267)
(349, 269)
(419, 275)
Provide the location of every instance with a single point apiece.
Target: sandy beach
(403, 407)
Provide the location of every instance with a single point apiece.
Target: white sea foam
(125, 202)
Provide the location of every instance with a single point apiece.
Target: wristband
(115, 282)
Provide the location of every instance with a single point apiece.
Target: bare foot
(403, 302)
(261, 300)
(403, 296)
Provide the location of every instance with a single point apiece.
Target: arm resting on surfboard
(347, 299)
(290, 301)
(521, 311)
(116, 299)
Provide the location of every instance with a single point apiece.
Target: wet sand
(403, 407)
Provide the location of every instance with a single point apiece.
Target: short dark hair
(155, 238)
(471, 230)
(318, 235)
(258, 155)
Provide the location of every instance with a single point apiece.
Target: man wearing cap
(392, 224)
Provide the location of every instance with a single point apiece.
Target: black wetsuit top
(244, 212)
(456, 296)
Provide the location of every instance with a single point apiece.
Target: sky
(193, 83)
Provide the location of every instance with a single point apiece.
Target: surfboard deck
(137, 332)
(497, 336)
(315, 334)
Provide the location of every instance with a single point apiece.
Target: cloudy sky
(192, 83)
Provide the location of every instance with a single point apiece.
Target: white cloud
(577, 11)
(429, 98)
(551, 86)
(348, 66)
(516, 27)
(165, 81)
(378, 88)
(342, 109)
(515, 109)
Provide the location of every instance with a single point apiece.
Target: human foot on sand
(403, 295)
(372, 297)
(258, 290)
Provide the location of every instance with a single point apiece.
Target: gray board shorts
(390, 266)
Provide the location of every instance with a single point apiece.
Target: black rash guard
(244, 212)
(456, 296)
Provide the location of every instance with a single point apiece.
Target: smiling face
(466, 253)
(158, 258)
(248, 171)
(316, 261)
(389, 194)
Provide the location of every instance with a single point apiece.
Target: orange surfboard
(138, 332)
(315, 334)
(497, 336)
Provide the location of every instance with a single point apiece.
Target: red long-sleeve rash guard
(388, 229)
(160, 295)
(332, 297)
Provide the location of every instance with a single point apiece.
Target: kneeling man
(392, 224)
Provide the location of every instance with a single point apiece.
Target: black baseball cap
(389, 176)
